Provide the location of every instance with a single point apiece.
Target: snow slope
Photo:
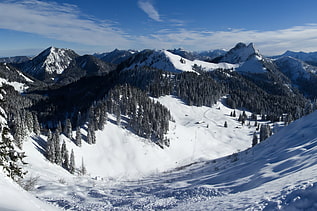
(278, 174)
(207, 166)
(197, 134)
(168, 61)
(13, 197)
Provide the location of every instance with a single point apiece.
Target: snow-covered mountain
(84, 66)
(240, 53)
(249, 59)
(167, 61)
(203, 55)
(211, 55)
(49, 63)
(310, 58)
(13, 77)
(15, 59)
(116, 56)
(302, 75)
(295, 68)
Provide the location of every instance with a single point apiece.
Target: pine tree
(118, 116)
(83, 170)
(255, 139)
(68, 129)
(66, 160)
(58, 154)
(29, 121)
(102, 118)
(59, 128)
(72, 162)
(78, 137)
(264, 132)
(36, 125)
(226, 124)
(91, 139)
(10, 159)
(50, 147)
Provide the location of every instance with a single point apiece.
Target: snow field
(198, 134)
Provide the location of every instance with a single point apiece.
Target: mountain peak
(49, 62)
(240, 53)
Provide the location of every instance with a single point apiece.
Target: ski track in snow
(277, 174)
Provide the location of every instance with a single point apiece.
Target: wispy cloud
(59, 21)
(268, 42)
(148, 8)
(65, 22)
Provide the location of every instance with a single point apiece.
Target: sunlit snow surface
(128, 173)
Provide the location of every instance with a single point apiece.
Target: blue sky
(29, 26)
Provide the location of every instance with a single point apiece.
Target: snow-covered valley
(120, 158)
(207, 166)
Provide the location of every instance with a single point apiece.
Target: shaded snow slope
(278, 174)
(295, 68)
(309, 57)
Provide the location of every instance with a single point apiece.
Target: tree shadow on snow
(40, 144)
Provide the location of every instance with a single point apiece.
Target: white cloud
(65, 22)
(149, 9)
(60, 22)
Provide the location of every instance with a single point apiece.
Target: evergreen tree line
(194, 89)
(58, 153)
(243, 93)
(11, 159)
(146, 117)
(205, 88)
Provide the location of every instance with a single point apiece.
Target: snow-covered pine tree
(11, 159)
(50, 147)
(36, 125)
(29, 121)
(78, 136)
(72, 162)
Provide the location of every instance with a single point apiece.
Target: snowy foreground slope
(13, 197)
(126, 172)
